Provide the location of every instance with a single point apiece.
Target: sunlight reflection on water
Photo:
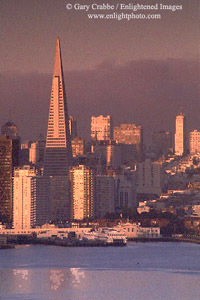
(110, 274)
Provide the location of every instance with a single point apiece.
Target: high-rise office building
(24, 198)
(130, 134)
(125, 192)
(58, 152)
(24, 153)
(6, 178)
(101, 128)
(180, 135)
(28, 153)
(59, 199)
(30, 198)
(194, 142)
(99, 149)
(34, 153)
(10, 130)
(41, 146)
(73, 127)
(114, 155)
(150, 177)
(82, 192)
(104, 195)
(78, 146)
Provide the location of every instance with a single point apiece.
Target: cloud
(147, 93)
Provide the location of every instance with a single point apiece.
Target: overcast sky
(139, 71)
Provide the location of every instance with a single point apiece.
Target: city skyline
(141, 75)
(96, 155)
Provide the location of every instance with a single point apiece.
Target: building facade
(82, 192)
(24, 198)
(58, 152)
(10, 130)
(59, 199)
(73, 127)
(134, 231)
(130, 134)
(101, 128)
(24, 153)
(41, 146)
(78, 146)
(114, 155)
(104, 195)
(150, 178)
(194, 142)
(180, 135)
(34, 153)
(125, 192)
(6, 178)
(31, 198)
(42, 197)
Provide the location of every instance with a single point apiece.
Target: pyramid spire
(58, 143)
(58, 60)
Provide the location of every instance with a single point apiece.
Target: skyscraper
(10, 130)
(34, 153)
(82, 192)
(104, 195)
(73, 127)
(6, 178)
(180, 135)
(101, 128)
(58, 152)
(114, 155)
(58, 143)
(125, 192)
(131, 135)
(24, 198)
(150, 177)
(78, 146)
(194, 142)
(41, 146)
(30, 198)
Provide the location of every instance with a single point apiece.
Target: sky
(138, 71)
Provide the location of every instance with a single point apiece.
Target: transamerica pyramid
(58, 153)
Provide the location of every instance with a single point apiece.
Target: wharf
(7, 246)
(76, 243)
(194, 240)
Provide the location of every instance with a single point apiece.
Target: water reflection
(56, 278)
(78, 276)
(41, 273)
(26, 280)
(22, 273)
(76, 284)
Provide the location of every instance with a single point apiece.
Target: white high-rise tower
(180, 135)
